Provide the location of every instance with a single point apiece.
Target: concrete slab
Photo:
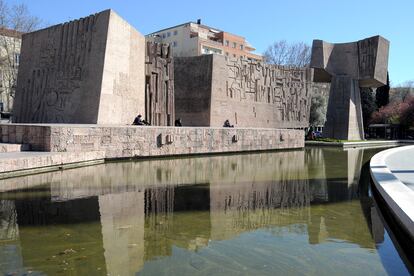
(22, 163)
(6, 147)
(126, 141)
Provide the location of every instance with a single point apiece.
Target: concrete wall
(130, 141)
(249, 94)
(123, 83)
(89, 70)
(193, 86)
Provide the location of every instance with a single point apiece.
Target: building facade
(194, 39)
(10, 43)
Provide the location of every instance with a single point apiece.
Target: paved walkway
(392, 171)
(401, 165)
(361, 144)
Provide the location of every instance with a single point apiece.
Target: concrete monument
(90, 70)
(349, 66)
(159, 84)
(248, 93)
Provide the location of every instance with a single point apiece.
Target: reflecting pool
(279, 213)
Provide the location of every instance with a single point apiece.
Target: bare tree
(14, 21)
(401, 92)
(284, 53)
(18, 18)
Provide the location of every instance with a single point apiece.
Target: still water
(281, 213)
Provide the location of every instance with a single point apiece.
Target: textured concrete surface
(19, 161)
(6, 147)
(89, 70)
(130, 141)
(248, 94)
(159, 85)
(193, 98)
(393, 174)
(349, 66)
(344, 114)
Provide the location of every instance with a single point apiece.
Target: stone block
(89, 70)
(247, 93)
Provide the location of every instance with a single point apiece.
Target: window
(227, 43)
(234, 44)
(209, 50)
(175, 44)
(241, 47)
(168, 34)
(234, 55)
(175, 32)
(163, 35)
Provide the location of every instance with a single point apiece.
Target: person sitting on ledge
(139, 122)
(227, 124)
(178, 123)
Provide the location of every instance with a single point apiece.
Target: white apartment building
(10, 43)
(194, 39)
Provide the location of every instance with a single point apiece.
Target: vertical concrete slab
(88, 71)
(123, 81)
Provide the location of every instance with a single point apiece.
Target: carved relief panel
(287, 88)
(159, 85)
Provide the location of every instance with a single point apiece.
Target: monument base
(344, 116)
(120, 141)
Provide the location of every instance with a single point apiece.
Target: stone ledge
(6, 147)
(23, 163)
(118, 141)
(360, 144)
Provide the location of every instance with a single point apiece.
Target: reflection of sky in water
(263, 252)
(292, 212)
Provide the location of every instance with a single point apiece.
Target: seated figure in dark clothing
(138, 121)
(227, 124)
(178, 123)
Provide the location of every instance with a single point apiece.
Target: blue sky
(263, 21)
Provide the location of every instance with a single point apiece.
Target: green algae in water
(282, 213)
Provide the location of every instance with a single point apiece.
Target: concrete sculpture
(159, 85)
(90, 70)
(349, 66)
(248, 93)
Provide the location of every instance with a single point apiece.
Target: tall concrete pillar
(344, 116)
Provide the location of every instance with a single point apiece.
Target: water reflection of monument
(143, 209)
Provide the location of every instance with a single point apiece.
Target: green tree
(368, 104)
(317, 110)
(382, 96)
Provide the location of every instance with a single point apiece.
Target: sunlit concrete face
(349, 66)
(90, 70)
(247, 93)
